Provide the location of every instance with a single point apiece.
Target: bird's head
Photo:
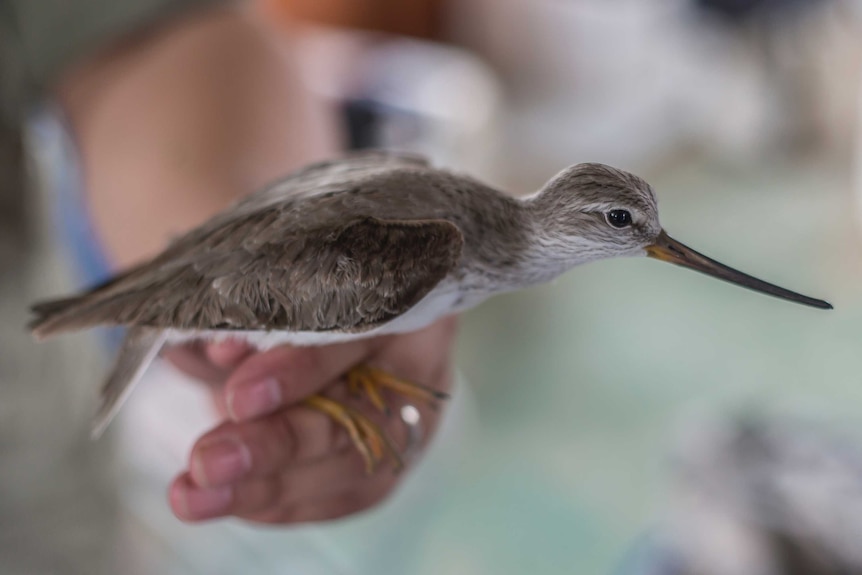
(593, 211)
(599, 211)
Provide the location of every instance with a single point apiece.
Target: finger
(423, 356)
(191, 359)
(291, 437)
(263, 447)
(338, 506)
(227, 354)
(191, 503)
(322, 479)
(260, 448)
(279, 377)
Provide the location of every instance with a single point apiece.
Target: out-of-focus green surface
(582, 385)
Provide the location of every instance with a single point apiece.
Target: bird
(367, 244)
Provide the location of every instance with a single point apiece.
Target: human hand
(275, 461)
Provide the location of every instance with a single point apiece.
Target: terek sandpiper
(371, 244)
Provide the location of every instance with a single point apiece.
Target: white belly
(442, 301)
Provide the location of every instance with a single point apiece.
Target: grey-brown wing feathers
(139, 349)
(349, 277)
(68, 312)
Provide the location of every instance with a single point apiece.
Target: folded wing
(348, 277)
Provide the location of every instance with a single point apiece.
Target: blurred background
(631, 417)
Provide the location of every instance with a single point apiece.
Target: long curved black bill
(668, 249)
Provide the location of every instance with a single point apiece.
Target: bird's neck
(534, 251)
(549, 255)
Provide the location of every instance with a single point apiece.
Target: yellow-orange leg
(372, 441)
(372, 381)
(369, 438)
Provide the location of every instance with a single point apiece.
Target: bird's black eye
(619, 218)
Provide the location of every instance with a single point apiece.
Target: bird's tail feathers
(94, 307)
(138, 351)
(75, 313)
(58, 316)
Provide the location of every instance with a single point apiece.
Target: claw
(407, 388)
(372, 441)
(340, 414)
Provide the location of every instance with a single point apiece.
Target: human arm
(179, 121)
(172, 125)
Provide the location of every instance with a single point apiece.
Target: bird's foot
(372, 381)
(371, 440)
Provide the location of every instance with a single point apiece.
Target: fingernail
(219, 461)
(258, 398)
(206, 503)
